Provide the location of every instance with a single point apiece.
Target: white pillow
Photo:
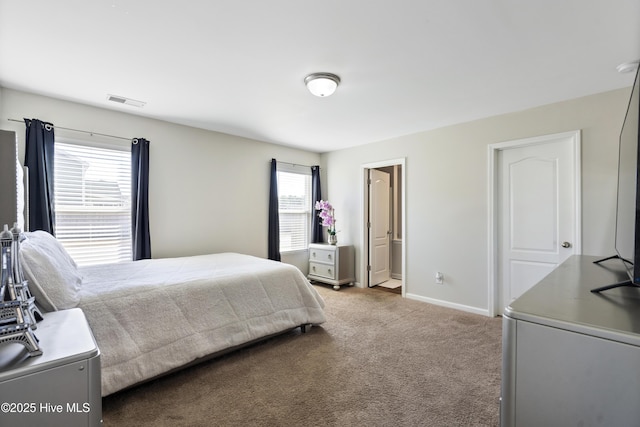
(51, 273)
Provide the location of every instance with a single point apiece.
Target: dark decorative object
(18, 312)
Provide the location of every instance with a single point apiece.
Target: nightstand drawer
(322, 270)
(322, 255)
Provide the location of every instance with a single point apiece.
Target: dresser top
(564, 300)
(326, 246)
(64, 337)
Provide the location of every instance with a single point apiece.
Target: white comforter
(152, 316)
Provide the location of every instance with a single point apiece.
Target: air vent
(126, 101)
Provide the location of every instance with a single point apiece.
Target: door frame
(364, 232)
(493, 226)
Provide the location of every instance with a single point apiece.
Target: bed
(151, 317)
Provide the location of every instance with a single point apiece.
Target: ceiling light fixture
(322, 84)
(628, 67)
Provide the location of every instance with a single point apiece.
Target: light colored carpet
(379, 360)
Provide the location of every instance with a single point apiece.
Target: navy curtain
(39, 159)
(141, 240)
(274, 219)
(317, 236)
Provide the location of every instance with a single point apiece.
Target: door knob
(566, 245)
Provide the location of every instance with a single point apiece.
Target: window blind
(294, 209)
(92, 196)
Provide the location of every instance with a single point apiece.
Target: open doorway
(383, 213)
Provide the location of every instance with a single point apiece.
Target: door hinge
(368, 268)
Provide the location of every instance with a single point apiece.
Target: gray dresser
(572, 357)
(61, 387)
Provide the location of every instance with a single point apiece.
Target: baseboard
(461, 307)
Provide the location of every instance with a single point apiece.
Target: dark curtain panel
(39, 159)
(140, 237)
(274, 219)
(317, 236)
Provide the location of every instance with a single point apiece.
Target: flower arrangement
(327, 216)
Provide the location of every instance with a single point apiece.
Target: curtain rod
(83, 131)
(293, 164)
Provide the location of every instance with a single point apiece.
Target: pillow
(51, 273)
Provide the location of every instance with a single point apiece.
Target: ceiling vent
(126, 101)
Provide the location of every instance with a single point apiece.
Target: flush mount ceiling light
(628, 67)
(322, 84)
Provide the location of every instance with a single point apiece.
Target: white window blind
(92, 195)
(294, 207)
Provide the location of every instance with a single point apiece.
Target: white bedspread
(152, 316)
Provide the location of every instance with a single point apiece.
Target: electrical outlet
(439, 278)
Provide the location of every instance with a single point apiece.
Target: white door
(379, 226)
(537, 208)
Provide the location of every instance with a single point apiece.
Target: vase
(333, 239)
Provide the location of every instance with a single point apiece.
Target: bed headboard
(12, 176)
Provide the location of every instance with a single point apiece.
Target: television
(627, 237)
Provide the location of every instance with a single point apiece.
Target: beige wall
(446, 191)
(208, 191)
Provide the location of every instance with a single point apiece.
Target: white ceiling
(238, 66)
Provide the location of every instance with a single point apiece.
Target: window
(294, 207)
(92, 196)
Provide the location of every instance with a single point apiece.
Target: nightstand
(332, 264)
(61, 387)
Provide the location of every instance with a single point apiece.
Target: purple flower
(323, 205)
(326, 215)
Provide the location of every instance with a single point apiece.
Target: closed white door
(379, 227)
(537, 208)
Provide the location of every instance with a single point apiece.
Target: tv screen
(627, 240)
